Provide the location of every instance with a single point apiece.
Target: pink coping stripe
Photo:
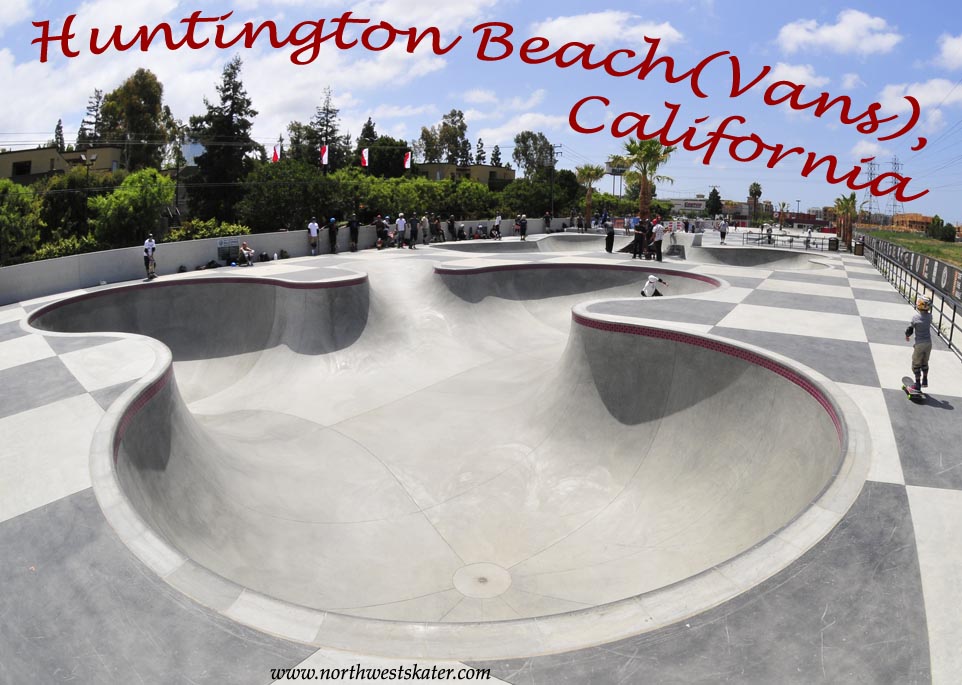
(250, 280)
(467, 271)
(143, 398)
(724, 348)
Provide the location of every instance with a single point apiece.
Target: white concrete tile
(886, 466)
(50, 298)
(12, 314)
(861, 269)
(38, 464)
(892, 362)
(731, 295)
(795, 322)
(882, 286)
(23, 350)
(937, 518)
(105, 365)
(945, 375)
(803, 288)
(885, 310)
(285, 620)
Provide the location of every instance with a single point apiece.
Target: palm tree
(588, 175)
(782, 208)
(846, 209)
(754, 192)
(643, 158)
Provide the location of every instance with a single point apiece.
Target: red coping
(724, 348)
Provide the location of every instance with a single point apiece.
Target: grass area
(951, 253)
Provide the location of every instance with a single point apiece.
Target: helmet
(924, 303)
(652, 279)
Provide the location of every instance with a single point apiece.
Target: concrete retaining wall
(51, 276)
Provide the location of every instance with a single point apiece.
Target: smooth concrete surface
(870, 601)
(755, 257)
(552, 242)
(279, 455)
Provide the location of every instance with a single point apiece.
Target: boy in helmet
(920, 326)
(651, 287)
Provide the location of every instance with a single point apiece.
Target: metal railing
(792, 242)
(946, 318)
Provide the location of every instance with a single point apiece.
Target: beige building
(911, 222)
(27, 166)
(492, 176)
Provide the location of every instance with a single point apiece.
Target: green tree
(132, 210)
(229, 151)
(713, 207)
(846, 209)
(324, 129)
(285, 195)
(480, 156)
(531, 196)
(351, 192)
(934, 229)
(644, 158)
(754, 192)
(58, 140)
(63, 208)
(533, 153)
(496, 156)
(134, 118)
(385, 154)
(20, 222)
(588, 175)
(91, 132)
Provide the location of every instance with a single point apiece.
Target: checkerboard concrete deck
(877, 600)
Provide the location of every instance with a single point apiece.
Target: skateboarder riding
(921, 326)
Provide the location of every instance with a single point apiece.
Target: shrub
(68, 246)
(196, 229)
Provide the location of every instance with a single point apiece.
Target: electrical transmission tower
(870, 201)
(895, 206)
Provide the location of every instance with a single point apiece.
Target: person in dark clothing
(353, 226)
(451, 230)
(524, 227)
(332, 234)
(639, 245)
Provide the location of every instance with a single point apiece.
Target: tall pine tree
(229, 150)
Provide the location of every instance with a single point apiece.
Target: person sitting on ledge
(246, 254)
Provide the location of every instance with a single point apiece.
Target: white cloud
(802, 74)
(867, 148)
(480, 96)
(854, 32)
(13, 12)
(950, 51)
(504, 134)
(851, 81)
(937, 92)
(606, 28)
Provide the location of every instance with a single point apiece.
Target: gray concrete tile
(106, 396)
(889, 332)
(841, 360)
(11, 330)
(87, 611)
(74, 343)
(743, 281)
(683, 310)
(808, 276)
(849, 611)
(877, 295)
(928, 435)
(35, 384)
(859, 276)
(812, 303)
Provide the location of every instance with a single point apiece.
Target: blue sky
(870, 52)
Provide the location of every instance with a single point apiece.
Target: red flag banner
(323, 155)
(364, 157)
(407, 159)
(277, 154)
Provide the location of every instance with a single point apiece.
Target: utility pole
(556, 154)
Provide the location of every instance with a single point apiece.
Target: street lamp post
(798, 210)
(87, 164)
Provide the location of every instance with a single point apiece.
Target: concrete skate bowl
(758, 257)
(473, 486)
(552, 242)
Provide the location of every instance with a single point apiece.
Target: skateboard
(908, 385)
(152, 270)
